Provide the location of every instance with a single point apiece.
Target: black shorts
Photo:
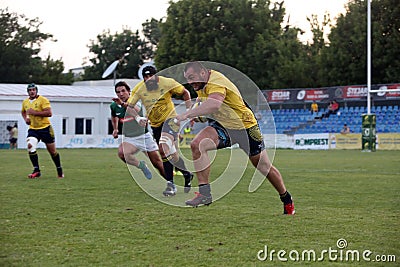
(167, 127)
(46, 135)
(249, 140)
(13, 140)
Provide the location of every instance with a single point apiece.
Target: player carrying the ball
(156, 94)
(233, 122)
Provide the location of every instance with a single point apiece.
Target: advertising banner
(185, 140)
(326, 94)
(277, 96)
(388, 141)
(310, 95)
(368, 132)
(345, 141)
(386, 93)
(90, 141)
(311, 141)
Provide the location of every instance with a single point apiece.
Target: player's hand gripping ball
(199, 118)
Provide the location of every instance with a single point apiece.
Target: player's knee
(167, 146)
(32, 144)
(194, 145)
(121, 154)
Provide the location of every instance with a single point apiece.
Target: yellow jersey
(39, 104)
(233, 113)
(314, 107)
(158, 103)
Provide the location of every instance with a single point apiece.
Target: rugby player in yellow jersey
(233, 122)
(36, 111)
(156, 93)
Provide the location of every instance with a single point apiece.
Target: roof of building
(65, 92)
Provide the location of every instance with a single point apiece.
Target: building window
(64, 126)
(83, 126)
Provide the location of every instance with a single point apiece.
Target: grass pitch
(98, 216)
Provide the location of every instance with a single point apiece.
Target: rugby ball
(199, 118)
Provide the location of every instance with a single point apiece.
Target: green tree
(107, 48)
(127, 46)
(244, 34)
(52, 73)
(152, 35)
(20, 41)
(344, 61)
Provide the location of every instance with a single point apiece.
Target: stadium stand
(301, 121)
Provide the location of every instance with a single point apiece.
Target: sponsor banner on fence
(345, 141)
(387, 93)
(311, 141)
(310, 95)
(388, 141)
(326, 94)
(273, 141)
(277, 96)
(185, 140)
(90, 141)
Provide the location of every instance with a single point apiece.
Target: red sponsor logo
(386, 91)
(314, 94)
(278, 95)
(355, 92)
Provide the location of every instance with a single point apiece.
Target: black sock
(33, 156)
(205, 190)
(286, 198)
(168, 170)
(56, 160)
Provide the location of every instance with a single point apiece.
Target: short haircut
(195, 65)
(122, 83)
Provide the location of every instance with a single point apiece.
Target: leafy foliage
(344, 60)
(242, 34)
(20, 40)
(249, 35)
(127, 46)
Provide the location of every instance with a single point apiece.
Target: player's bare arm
(211, 105)
(26, 118)
(131, 110)
(44, 113)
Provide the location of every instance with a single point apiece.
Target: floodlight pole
(369, 56)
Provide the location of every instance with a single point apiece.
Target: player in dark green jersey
(135, 137)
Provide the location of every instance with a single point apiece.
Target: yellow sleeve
(177, 88)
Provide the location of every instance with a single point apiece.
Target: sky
(74, 23)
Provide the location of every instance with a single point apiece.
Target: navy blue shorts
(46, 135)
(249, 140)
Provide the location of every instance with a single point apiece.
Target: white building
(81, 113)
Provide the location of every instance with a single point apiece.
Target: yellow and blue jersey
(39, 104)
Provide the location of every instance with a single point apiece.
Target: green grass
(98, 216)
